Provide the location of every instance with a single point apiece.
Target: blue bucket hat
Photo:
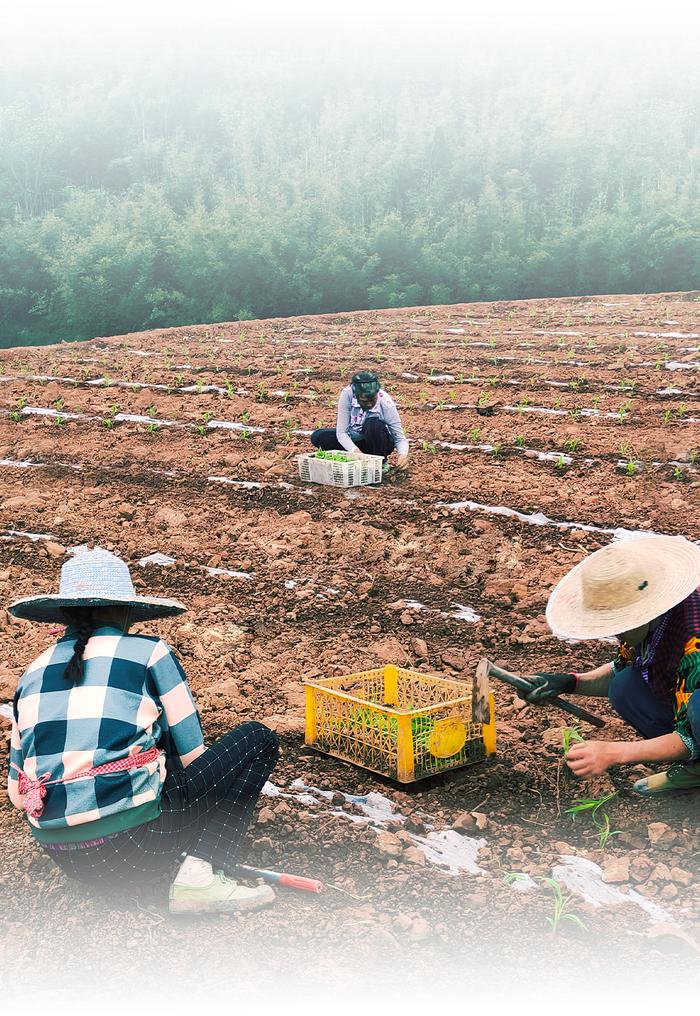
(94, 578)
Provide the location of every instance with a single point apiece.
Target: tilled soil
(285, 581)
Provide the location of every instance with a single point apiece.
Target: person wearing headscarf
(107, 755)
(368, 422)
(645, 592)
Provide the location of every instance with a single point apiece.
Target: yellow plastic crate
(400, 723)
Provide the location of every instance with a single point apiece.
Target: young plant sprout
(245, 416)
(152, 428)
(475, 434)
(15, 416)
(630, 468)
(519, 441)
(561, 463)
(593, 805)
(151, 411)
(572, 444)
(677, 473)
(569, 735)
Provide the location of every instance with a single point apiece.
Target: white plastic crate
(353, 473)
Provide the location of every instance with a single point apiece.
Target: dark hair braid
(83, 622)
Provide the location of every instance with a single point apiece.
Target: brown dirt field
(329, 577)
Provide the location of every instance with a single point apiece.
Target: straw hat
(94, 578)
(624, 585)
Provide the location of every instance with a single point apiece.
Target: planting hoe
(486, 669)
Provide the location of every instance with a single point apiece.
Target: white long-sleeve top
(350, 421)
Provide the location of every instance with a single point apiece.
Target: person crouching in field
(368, 423)
(644, 591)
(107, 756)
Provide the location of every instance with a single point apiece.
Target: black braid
(84, 624)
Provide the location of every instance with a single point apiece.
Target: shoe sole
(218, 906)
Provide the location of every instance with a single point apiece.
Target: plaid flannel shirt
(134, 696)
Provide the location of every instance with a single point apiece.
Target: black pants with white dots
(205, 811)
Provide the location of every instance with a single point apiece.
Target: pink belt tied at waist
(34, 791)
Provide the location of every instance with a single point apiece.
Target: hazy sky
(135, 23)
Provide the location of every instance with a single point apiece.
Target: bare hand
(402, 461)
(592, 758)
(357, 454)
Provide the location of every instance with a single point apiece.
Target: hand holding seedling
(592, 758)
(402, 461)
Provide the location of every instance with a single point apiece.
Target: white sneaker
(220, 896)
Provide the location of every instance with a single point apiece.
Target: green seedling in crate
(333, 456)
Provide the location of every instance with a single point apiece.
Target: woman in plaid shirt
(107, 754)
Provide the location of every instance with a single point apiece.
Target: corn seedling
(593, 806)
(560, 903)
(21, 403)
(152, 428)
(572, 445)
(207, 416)
(15, 416)
(59, 420)
(429, 446)
(496, 450)
(245, 434)
(245, 416)
(151, 411)
(560, 463)
(201, 429)
(475, 434)
(519, 441)
(199, 386)
(569, 735)
(677, 473)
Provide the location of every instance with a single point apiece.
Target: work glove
(548, 686)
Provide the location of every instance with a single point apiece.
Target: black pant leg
(376, 437)
(326, 438)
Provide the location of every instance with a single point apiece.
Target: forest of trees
(196, 190)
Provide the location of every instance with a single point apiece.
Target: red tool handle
(309, 885)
